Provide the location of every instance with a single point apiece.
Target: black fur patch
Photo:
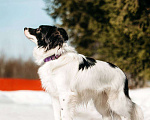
(49, 36)
(112, 65)
(86, 63)
(126, 89)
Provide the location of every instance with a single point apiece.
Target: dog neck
(41, 54)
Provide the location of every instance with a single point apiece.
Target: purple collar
(53, 57)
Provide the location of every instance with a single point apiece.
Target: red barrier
(10, 84)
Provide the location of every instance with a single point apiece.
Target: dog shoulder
(86, 62)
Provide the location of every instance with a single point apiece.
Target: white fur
(70, 86)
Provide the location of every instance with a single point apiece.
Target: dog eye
(38, 30)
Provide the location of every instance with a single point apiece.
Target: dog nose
(25, 28)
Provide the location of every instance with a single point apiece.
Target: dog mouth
(29, 36)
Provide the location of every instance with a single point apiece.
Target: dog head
(47, 37)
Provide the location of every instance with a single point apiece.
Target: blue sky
(14, 16)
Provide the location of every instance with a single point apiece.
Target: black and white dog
(72, 78)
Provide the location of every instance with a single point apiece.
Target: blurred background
(116, 31)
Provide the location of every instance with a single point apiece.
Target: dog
(72, 79)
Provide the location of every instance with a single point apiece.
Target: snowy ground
(36, 105)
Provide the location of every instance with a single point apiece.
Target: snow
(36, 105)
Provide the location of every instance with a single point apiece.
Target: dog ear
(54, 40)
(63, 33)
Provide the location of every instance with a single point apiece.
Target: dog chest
(53, 80)
(48, 81)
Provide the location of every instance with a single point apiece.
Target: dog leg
(102, 106)
(56, 108)
(123, 106)
(68, 102)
